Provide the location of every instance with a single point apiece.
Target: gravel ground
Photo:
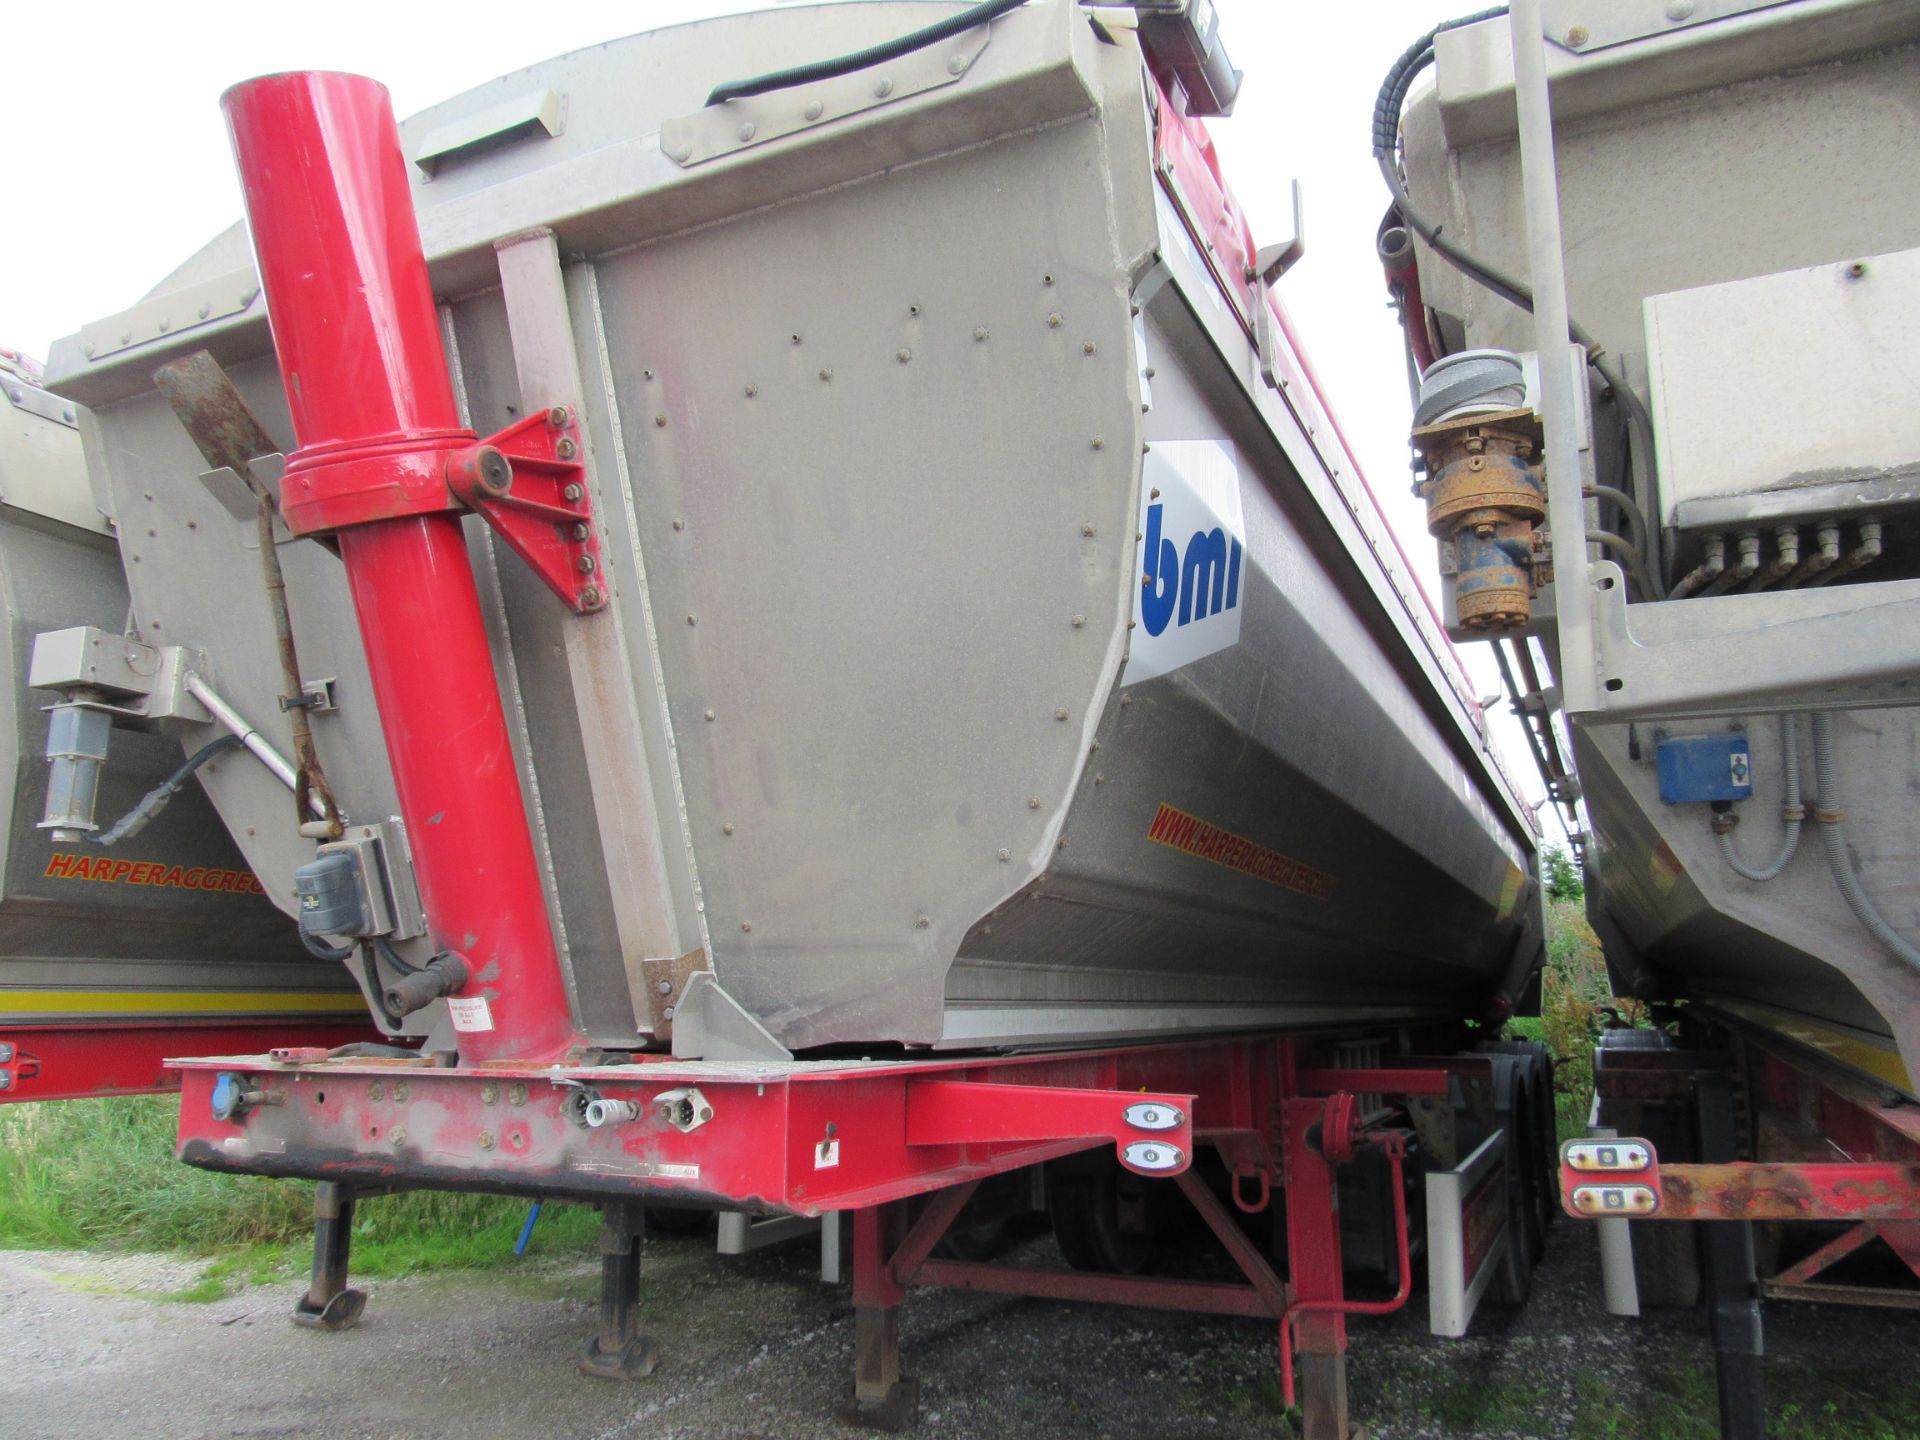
(757, 1349)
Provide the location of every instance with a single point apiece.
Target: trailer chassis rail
(816, 1137)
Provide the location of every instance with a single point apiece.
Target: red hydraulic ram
(354, 323)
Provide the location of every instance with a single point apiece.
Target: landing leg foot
(328, 1303)
(619, 1351)
(883, 1398)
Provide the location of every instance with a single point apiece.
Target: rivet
(903, 355)
(745, 132)
(1087, 530)
(679, 524)
(400, 1093)
(660, 421)
(166, 323)
(752, 390)
(980, 332)
(882, 88)
(1033, 802)
(690, 620)
(921, 923)
(957, 65)
(1059, 714)
(376, 1091)
(1053, 320)
(746, 927)
(1088, 348)
(1006, 855)
(826, 372)
(516, 1094)
(709, 714)
(1046, 279)
(486, 1140)
(489, 1094)
(1079, 621)
(814, 110)
(204, 310)
(1063, 843)
(796, 339)
(397, 1136)
(1678, 10)
(1099, 779)
(126, 337)
(726, 829)
(1577, 36)
(1098, 443)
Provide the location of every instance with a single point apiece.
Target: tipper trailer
(810, 642)
(1684, 520)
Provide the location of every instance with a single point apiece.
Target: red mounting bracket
(528, 483)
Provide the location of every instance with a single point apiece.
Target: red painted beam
(72, 1063)
(1152, 1133)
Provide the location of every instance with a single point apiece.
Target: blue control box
(1705, 767)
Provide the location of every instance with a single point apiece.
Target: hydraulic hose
(155, 800)
(1792, 813)
(861, 59)
(1826, 775)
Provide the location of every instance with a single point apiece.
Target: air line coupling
(442, 975)
(1484, 494)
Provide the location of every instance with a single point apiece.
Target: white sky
(117, 167)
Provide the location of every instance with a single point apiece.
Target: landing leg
(1733, 1295)
(619, 1351)
(328, 1303)
(883, 1398)
(1313, 1250)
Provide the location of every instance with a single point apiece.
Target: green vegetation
(1564, 881)
(100, 1174)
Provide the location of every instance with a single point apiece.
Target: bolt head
(1578, 36)
(584, 565)
(745, 132)
(573, 492)
(814, 110)
(882, 88)
(957, 65)
(1006, 854)
(580, 531)
(1678, 10)
(558, 416)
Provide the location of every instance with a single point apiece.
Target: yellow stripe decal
(176, 1002)
(1882, 1062)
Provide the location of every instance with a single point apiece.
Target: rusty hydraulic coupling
(1484, 493)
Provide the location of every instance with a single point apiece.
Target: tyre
(1092, 1210)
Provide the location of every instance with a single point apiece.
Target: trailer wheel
(1540, 1130)
(1087, 1206)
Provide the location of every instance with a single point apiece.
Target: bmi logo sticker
(1193, 538)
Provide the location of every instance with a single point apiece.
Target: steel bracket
(1153, 1134)
(1624, 1178)
(528, 482)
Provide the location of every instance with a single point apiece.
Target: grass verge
(100, 1174)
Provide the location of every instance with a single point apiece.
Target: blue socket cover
(1696, 768)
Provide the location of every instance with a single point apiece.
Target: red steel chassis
(1825, 1145)
(60, 1062)
(823, 1136)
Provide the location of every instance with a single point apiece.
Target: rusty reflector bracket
(1625, 1178)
